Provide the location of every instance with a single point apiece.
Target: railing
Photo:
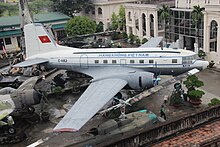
(153, 134)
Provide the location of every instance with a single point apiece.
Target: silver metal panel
(91, 101)
(28, 84)
(153, 42)
(31, 62)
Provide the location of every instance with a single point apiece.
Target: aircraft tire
(11, 130)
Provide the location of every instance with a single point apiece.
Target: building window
(7, 41)
(131, 61)
(100, 11)
(174, 60)
(93, 10)
(129, 16)
(151, 61)
(96, 61)
(141, 61)
(105, 61)
(113, 61)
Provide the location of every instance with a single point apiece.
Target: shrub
(214, 102)
(144, 40)
(124, 35)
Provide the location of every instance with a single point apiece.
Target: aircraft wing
(153, 90)
(31, 62)
(29, 83)
(91, 101)
(153, 42)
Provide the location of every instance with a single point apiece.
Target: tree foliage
(164, 13)
(114, 21)
(197, 15)
(80, 25)
(8, 10)
(121, 17)
(39, 6)
(118, 21)
(70, 7)
(192, 82)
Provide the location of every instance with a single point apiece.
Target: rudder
(38, 40)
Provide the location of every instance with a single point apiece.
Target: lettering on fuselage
(62, 60)
(115, 55)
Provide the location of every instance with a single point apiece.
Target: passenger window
(131, 61)
(141, 61)
(113, 61)
(174, 60)
(96, 61)
(105, 61)
(151, 61)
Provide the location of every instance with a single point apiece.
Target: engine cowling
(136, 80)
(140, 80)
(26, 98)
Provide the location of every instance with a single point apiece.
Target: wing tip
(65, 130)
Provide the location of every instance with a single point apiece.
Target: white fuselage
(165, 61)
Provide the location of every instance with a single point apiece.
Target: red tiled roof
(195, 137)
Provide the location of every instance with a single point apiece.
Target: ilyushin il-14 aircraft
(111, 69)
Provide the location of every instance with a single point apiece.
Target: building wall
(107, 7)
(139, 19)
(191, 3)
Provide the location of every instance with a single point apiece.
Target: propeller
(121, 101)
(156, 79)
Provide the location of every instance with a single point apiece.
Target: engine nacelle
(136, 80)
(140, 80)
(25, 98)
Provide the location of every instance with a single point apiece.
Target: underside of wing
(91, 101)
(31, 62)
(153, 42)
(105, 71)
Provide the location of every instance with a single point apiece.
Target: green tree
(99, 27)
(39, 6)
(3, 8)
(114, 22)
(80, 25)
(121, 17)
(191, 84)
(197, 15)
(164, 13)
(70, 7)
(8, 10)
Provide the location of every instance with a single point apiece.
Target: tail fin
(38, 40)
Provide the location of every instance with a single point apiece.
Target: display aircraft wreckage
(111, 69)
(19, 99)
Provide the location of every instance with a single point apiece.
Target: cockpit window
(189, 59)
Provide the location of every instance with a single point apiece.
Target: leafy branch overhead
(80, 25)
(70, 7)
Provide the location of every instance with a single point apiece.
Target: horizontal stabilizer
(31, 62)
(153, 42)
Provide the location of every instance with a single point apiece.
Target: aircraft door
(84, 61)
(123, 62)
